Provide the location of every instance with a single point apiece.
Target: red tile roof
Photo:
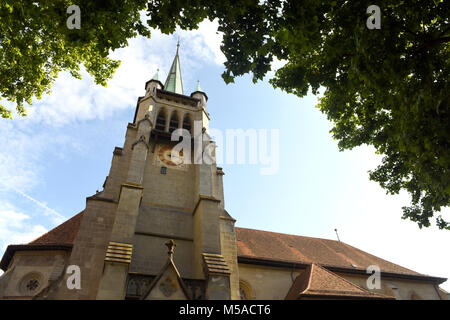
(316, 282)
(65, 233)
(305, 250)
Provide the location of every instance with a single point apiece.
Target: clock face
(165, 156)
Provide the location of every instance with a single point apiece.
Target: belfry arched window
(173, 125)
(161, 121)
(187, 123)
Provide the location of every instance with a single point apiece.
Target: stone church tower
(149, 199)
(159, 230)
(159, 199)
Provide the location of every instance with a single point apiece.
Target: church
(159, 229)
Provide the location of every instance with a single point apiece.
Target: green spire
(198, 86)
(174, 83)
(156, 76)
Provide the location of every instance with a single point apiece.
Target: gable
(167, 285)
(317, 282)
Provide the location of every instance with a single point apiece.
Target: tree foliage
(36, 44)
(386, 87)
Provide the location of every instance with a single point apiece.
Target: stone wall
(30, 272)
(89, 248)
(267, 283)
(398, 288)
(273, 283)
(229, 252)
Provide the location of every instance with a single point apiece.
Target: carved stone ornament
(167, 287)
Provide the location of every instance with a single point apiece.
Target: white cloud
(73, 100)
(57, 218)
(15, 226)
(204, 43)
(21, 151)
(18, 158)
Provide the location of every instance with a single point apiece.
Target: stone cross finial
(171, 246)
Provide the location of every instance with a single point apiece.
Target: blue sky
(60, 154)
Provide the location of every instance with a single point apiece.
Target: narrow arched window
(173, 122)
(245, 290)
(161, 121)
(132, 288)
(187, 122)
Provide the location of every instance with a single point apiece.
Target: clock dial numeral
(165, 156)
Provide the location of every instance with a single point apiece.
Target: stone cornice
(204, 197)
(98, 198)
(132, 185)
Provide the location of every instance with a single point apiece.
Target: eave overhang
(13, 248)
(299, 265)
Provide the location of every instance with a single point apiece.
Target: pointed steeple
(156, 76)
(199, 93)
(198, 86)
(174, 83)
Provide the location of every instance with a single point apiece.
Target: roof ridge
(289, 234)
